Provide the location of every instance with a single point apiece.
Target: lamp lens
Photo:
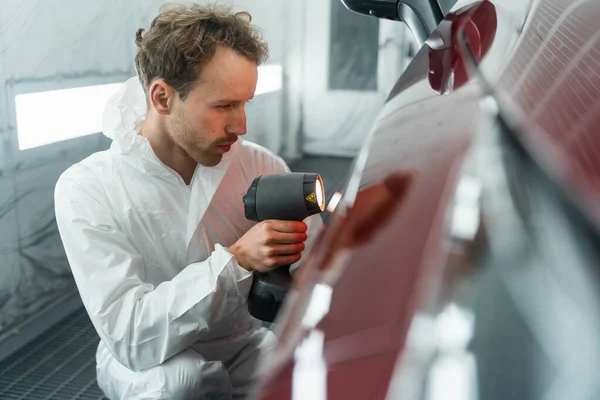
(319, 190)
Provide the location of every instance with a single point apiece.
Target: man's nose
(238, 122)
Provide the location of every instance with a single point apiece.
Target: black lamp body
(289, 197)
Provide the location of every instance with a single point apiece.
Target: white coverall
(148, 256)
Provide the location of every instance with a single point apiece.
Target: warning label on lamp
(312, 198)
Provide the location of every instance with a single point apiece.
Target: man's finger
(285, 250)
(287, 226)
(276, 238)
(286, 260)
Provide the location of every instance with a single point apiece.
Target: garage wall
(65, 44)
(351, 65)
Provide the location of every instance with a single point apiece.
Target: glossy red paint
(447, 69)
(382, 256)
(554, 80)
(386, 240)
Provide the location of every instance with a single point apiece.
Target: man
(154, 227)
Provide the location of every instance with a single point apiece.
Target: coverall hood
(124, 117)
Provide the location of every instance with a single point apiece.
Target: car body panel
(553, 83)
(348, 327)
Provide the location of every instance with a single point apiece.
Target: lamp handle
(268, 292)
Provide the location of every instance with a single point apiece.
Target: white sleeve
(141, 325)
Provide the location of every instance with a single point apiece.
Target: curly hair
(183, 38)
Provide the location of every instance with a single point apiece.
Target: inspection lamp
(292, 196)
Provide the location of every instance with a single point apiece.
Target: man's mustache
(227, 141)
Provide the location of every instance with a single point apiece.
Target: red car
(462, 260)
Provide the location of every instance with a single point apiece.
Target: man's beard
(201, 152)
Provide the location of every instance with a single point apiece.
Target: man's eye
(224, 107)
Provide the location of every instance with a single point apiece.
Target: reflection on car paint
(447, 70)
(398, 323)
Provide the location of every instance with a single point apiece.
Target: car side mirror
(421, 16)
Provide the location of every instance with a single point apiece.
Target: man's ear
(161, 96)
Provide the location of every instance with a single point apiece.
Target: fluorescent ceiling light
(270, 79)
(57, 115)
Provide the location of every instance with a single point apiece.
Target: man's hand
(270, 244)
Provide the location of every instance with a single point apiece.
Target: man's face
(209, 120)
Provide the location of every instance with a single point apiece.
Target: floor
(61, 363)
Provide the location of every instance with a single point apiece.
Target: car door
(366, 316)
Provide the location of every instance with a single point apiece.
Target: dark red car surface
(508, 93)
